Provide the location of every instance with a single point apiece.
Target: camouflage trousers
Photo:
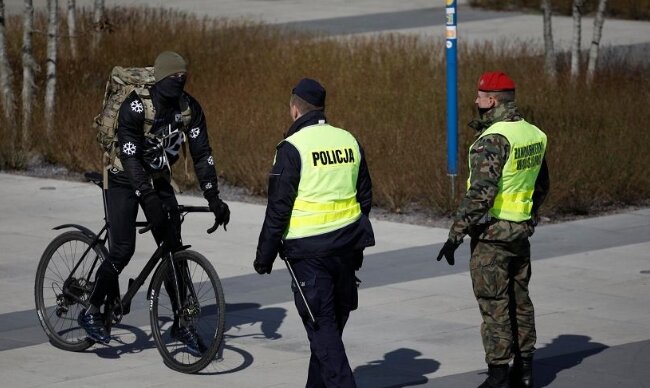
(500, 272)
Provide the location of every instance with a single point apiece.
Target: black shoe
(189, 337)
(497, 377)
(93, 324)
(521, 374)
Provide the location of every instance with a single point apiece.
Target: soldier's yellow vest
(514, 200)
(327, 192)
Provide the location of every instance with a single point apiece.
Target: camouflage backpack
(123, 81)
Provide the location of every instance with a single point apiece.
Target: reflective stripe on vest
(514, 201)
(327, 193)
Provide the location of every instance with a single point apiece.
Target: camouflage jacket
(487, 158)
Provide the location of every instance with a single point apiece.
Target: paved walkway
(424, 17)
(417, 325)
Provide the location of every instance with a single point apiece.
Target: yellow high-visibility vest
(327, 192)
(514, 201)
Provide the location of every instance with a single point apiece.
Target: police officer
(508, 182)
(142, 176)
(319, 199)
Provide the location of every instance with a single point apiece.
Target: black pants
(122, 212)
(330, 289)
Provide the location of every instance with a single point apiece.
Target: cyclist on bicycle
(142, 176)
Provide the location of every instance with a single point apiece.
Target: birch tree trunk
(595, 41)
(550, 62)
(50, 80)
(577, 31)
(29, 67)
(72, 27)
(98, 19)
(6, 79)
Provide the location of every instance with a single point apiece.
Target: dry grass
(389, 91)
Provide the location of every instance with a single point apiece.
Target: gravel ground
(414, 214)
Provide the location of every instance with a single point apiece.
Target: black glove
(448, 251)
(220, 210)
(262, 268)
(534, 218)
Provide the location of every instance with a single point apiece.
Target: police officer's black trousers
(122, 212)
(330, 289)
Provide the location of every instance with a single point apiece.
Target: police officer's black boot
(497, 377)
(521, 374)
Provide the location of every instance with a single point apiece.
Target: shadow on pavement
(399, 368)
(121, 342)
(126, 339)
(573, 349)
(247, 314)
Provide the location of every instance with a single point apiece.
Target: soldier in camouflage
(499, 216)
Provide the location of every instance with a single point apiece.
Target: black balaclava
(171, 88)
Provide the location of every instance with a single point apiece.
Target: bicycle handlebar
(187, 209)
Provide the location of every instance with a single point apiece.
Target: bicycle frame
(185, 296)
(103, 236)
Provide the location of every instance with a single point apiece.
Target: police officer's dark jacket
(282, 191)
(143, 156)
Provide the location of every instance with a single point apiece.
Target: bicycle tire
(209, 323)
(58, 260)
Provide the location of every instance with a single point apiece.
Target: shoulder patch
(136, 106)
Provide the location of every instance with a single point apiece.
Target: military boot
(497, 377)
(521, 374)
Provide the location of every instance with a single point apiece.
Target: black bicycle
(65, 280)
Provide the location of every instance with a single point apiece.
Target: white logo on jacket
(129, 148)
(136, 106)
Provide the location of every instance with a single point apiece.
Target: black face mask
(482, 111)
(171, 88)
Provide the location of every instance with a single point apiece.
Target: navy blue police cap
(311, 91)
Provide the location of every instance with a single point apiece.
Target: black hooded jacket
(282, 191)
(143, 157)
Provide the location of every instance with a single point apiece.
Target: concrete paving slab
(417, 324)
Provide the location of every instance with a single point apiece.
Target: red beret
(495, 81)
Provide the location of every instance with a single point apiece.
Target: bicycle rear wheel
(60, 294)
(202, 310)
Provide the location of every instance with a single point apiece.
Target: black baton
(295, 280)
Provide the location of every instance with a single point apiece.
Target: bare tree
(595, 41)
(98, 21)
(577, 31)
(29, 66)
(50, 80)
(72, 27)
(550, 66)
(6, 78)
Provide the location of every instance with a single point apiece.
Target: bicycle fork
(183, 291)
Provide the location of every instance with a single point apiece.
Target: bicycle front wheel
(64, 281)
(196, 311)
